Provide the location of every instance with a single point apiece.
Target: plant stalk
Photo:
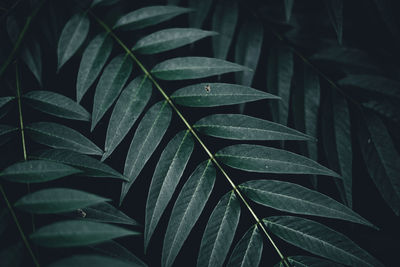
(190, 128)
(24, 239)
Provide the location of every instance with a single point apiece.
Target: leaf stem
(190, 128)
(20, 38)
(24, 239)
(21, 122)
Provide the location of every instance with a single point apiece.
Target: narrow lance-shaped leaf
(90, 166)
(247, 252)
(224, 22)
(6, 133)
(201, 9)
(90, 261)
(263, 159)
(381, 159)
(57, 200)
(335, 11)
(219, 232)
(93, 60)
(342, 126)
(385, 108)
(307, 261)
(217, 94)
(32, 57)
(103, 3)
(248, 50)
(184, 68)
(59, 136)
(115, 250)
(187, 210)
(72, 36)
(166, 177)
(243, 127)
(147, 137)
(148, 16)
(128, 108)
(77, 233)
(319, 240)
(169, 39)
(110, 85)
(288, 9)
(294, 198)
(5, 105)
(102, 212)
(279, 79)
(36, 171)
(329, 142)
(373, 83)
(56, 104)
(305, 108)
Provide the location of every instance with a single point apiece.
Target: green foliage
(188, 173)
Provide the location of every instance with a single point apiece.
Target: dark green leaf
(6, 133)
(32, 56)
(297, 199)
(169, 39)
(385, 108)
(93, 60)
(373, 83)
(348, 57)
(91, 167)
(72, 36)
(187, 210)
(166, 177)
(128, 108)
(279, 79)
(269, 160)
(57, 200)
(110, 85)
(219, 232)
(103, 212)
(248, 50)
(90, 261)
(247, 252)
(201, 9)
(319, 240)
(217, 94)
(307, 261)
(342, 126)
(5, 105)
(335, 11)
(56, 104)
(381, 159)
(36, 171)
(185, 68)
(77, 233)
(334, 127)
(288, 9)
(59, 136)
(224, 22)
(103, 2)
(148, 135)
(115, 250)
(243, 127)
(148, 16)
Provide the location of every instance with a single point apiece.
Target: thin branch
(213, 159)
(24, 239)
(20, 38)
(21, 124)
